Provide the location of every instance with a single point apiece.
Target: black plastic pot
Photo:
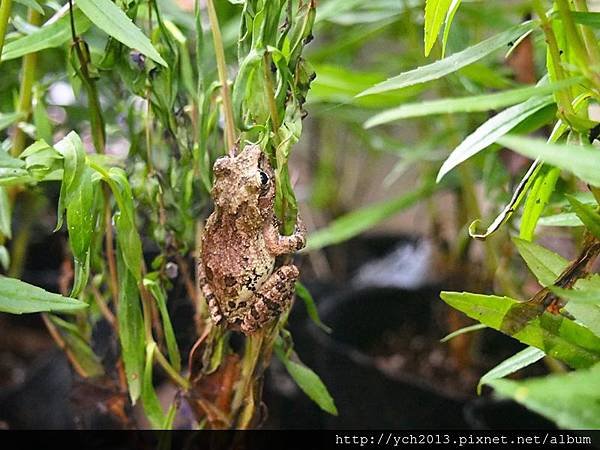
(365, 396)
(492, 414)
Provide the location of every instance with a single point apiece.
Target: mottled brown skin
(240, 243)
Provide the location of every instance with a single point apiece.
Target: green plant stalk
(5, 8)
(563, 96)
(574, 39)
(270, 93)
(222, 69)
(26, 90)
(591, 43)
(173, 374)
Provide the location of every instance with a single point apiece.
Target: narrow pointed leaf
(545, 264)
(113, 21)
(516, 362)
(452, 63)
(18, 297)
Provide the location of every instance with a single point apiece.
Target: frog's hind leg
(209, 295)
(273, 297)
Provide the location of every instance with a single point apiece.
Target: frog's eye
(264, 179)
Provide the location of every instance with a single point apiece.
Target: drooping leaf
(18, 297)
(354, 223)
(474, 103)
(587, 214)
(129, 240)
(545, 264)
(556, 335)
(582, 161)
(490, 131)
(305, 378)
(131, 329)
(572, 399)
(516, 362)
(47, 36)
(452, 63)
(88, 362)
(463, 330)
(435, 13)
(311, 307)
(152, 406)
(113, 21)
(160, 296)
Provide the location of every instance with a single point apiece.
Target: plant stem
(26, 89)
(222, 69)
(270, 93)
(563, 96)
(589, 38)
(5, 8)
(574, 39)
(176, 377)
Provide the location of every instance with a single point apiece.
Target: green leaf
(491, 130)
(558, 336)
(79, 347)
(545, 264)
(5, 214)
(160, 296)
(305, 378)
(582, 161)
(474, 103)
(355, 222)
(587, 214)
(152, 407)
(584, 301)
(113, 21)
(463, 330)
(131, 329)
(17, 297)
(6, 120)
(448, 22)
(572, 399)
(516, 362)
(71, 149)
(590, 19)
(537, 200)
(435, 12)
(33, 4)
(47, 36)
(561, 220)
(588, 315)
(311, 307)
(128, 237)
(452, 63)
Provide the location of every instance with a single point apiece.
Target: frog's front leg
(273, 297)
(209, 295)
(283, 245)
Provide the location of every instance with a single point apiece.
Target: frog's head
(244, 180)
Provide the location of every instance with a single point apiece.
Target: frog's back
(235, 263)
